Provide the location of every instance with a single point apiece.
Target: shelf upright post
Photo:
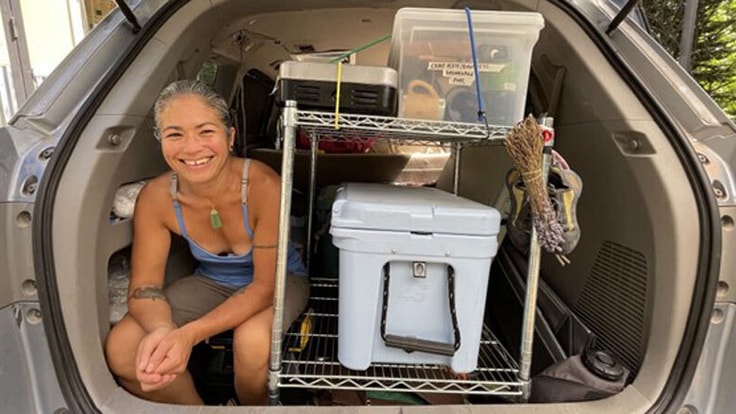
(457, 146)
(313, 148)
(532, 280)
(289, 123)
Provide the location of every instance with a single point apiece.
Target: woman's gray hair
(190, 87)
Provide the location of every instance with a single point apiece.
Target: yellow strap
(337, 95)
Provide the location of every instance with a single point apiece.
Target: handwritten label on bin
(461, 73)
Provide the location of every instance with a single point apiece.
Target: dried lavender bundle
(524, 143)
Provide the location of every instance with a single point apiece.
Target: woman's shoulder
(260, 173)
(263, 182)
(157, 191)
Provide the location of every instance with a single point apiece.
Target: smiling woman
(234, 241)
(196, 134)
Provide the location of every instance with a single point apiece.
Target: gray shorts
(193, 296)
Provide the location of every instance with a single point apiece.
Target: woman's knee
(121, 347)
(252, 340)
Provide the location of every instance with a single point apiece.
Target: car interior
(626, 291)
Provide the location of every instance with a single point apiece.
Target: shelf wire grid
(316, 365)
(368, 128)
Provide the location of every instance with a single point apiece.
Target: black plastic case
(366, 90)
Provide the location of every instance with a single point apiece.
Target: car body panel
(27, 377)
(62, 106)
(712, 387)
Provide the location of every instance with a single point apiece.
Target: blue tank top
(234, 270)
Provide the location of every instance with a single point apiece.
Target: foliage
(714, 48)
(665, 22)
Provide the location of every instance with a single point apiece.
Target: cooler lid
(416, 209)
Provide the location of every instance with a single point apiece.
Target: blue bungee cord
(481, 106)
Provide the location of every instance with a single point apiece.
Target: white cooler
(402, 252)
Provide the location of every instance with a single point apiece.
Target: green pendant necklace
(215, 221)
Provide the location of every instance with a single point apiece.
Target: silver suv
(649, 283)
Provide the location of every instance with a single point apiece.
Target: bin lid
(415, 209)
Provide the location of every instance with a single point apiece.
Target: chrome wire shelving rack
(316, 364)
(366, 128)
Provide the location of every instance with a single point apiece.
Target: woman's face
(194, 141)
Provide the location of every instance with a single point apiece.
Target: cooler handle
(411, 344)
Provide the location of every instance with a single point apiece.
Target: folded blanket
(125, 197)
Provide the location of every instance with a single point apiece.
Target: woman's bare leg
(251, 349)
(120, 350)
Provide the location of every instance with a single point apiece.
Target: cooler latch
(419, 270)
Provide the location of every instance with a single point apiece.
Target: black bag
(590, 376)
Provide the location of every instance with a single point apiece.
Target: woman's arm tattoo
(148, 292)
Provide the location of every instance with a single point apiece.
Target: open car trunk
(632, 280)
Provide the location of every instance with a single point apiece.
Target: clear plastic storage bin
(430, 48)
(414, 266)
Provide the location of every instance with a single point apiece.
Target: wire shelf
(367, 128)
(316, 365)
